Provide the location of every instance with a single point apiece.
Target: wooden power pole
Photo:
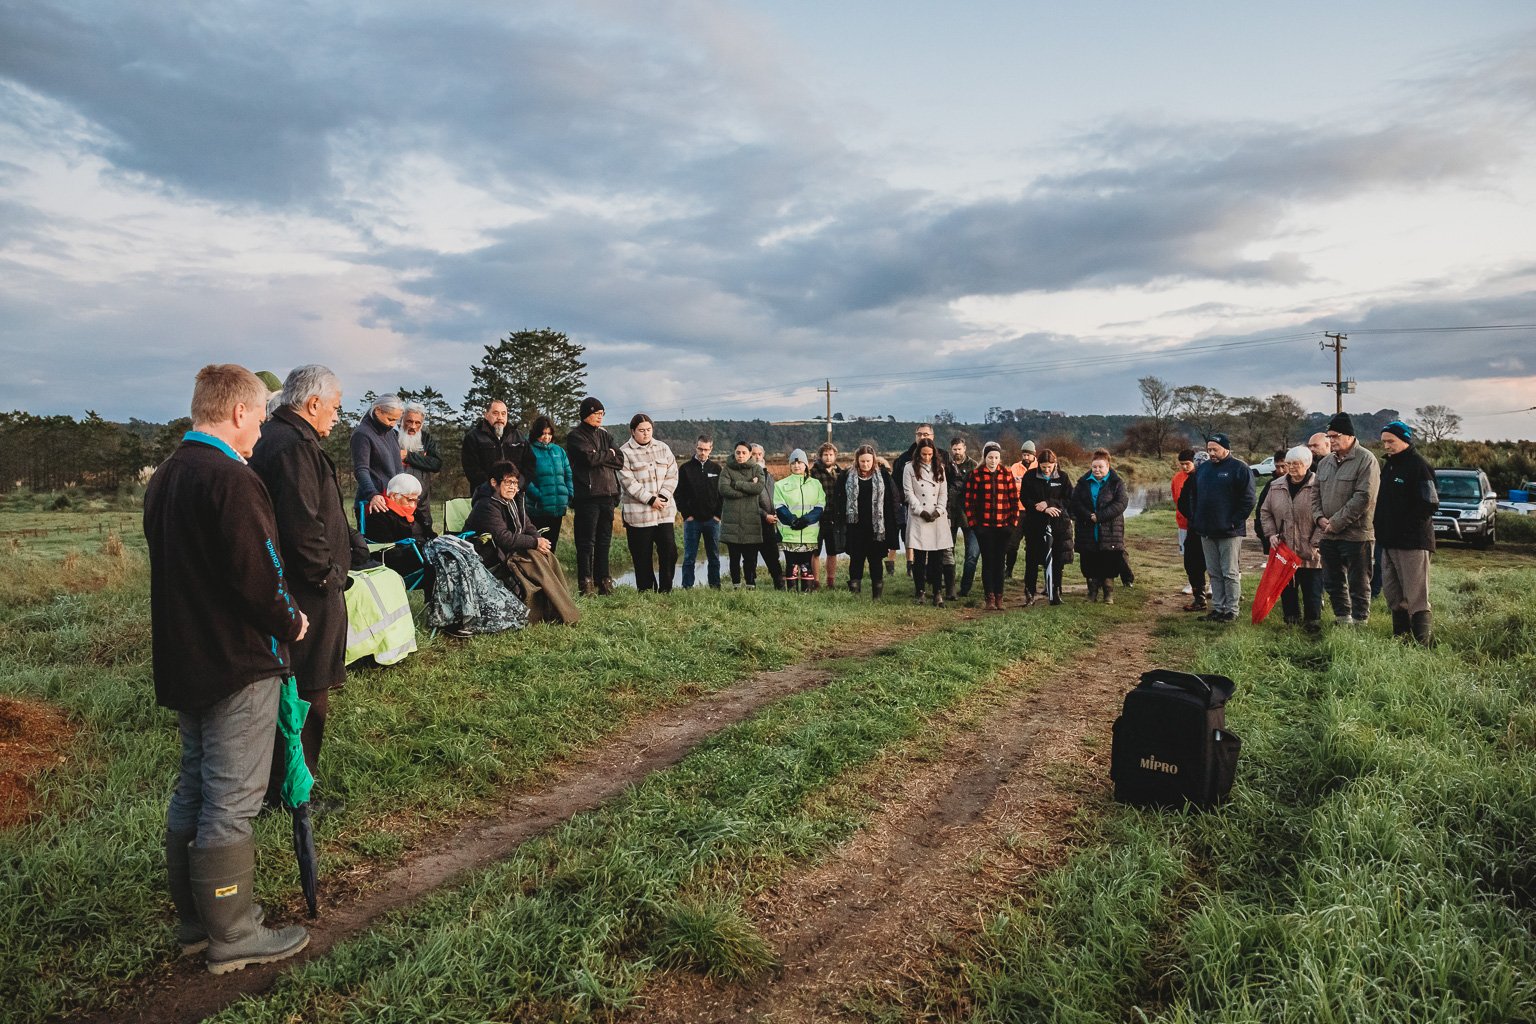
(829, 390)
(1339, 384)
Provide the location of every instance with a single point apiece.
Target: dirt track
(186, 992)
(992, 811)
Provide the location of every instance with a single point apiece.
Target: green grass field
(1374, 864)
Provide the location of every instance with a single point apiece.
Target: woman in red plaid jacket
(992, 510)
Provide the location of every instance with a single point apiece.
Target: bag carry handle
(1187, 681)
(1190, 682)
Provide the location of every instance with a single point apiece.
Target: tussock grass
(1374, 864)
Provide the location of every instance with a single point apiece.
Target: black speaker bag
(1171, 743)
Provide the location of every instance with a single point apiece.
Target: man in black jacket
(492, 440)
(221, 620)
(1404, 520)
(960, 467)
(595, 462)
(319, 545)
(698, 500)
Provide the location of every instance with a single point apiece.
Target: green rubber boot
(221, 880)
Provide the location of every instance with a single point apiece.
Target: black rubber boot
(876, 588)
(855, 586)
(1423, 630)
(221, 887)
(1402, 623)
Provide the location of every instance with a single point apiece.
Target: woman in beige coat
(1290, 513)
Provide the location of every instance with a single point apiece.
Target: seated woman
(510, 544)
(399, 522)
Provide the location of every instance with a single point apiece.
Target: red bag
(1279, 570)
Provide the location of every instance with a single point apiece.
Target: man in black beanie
(1405, 530)
(595, 462)
(1347, 480)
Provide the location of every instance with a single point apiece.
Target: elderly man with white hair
(376, 456)
(1289, 513)
(318, 545)
(418, 450)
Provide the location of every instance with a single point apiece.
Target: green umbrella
(297, 783)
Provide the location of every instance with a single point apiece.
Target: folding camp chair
(412, 568)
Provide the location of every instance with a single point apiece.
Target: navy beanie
(1222, 440)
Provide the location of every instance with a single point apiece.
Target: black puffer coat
(1113, 499)
(1056, 492)
(595, 462)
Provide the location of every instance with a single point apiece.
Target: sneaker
(1196, 605)
(1187, 589)
(457, 632)
(1343, 620)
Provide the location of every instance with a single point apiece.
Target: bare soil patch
(186, 992)
(960, 835)
(33, 737)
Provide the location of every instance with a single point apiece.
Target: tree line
(542, 372)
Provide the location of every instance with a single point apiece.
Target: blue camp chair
(415, 566)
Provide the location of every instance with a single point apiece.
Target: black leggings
(929, 566)
(864, 549)
(744, 556)
(994, 549)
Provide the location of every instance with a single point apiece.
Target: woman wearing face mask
(866, 503)
(930, 538)
(741, 518)
(992, 510)
(1046, 494)
(1098, 506)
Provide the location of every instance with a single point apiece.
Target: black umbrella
(1050, 564)
(304, 853)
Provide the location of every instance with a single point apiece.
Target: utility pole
(1339, 384)
(829, 390)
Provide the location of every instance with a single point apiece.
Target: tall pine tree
(534, 372)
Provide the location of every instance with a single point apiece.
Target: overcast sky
(936, 206)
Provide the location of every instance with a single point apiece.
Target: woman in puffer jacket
(549, 483)
(1290, 513)
(1098, 505)
(741, 514)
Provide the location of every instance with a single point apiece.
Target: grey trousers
(226, 755)
(1221, 565)
(1405, 579)
(1347, 568)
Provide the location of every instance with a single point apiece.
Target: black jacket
(1406, 502)
(1110, 509)
(508, 526)
(958, 472)
(482, 449)
(318, 544)
(838, 500)
(595, 462)
(390, 527)
(221, 615)
(1056, 492)
(698, 490)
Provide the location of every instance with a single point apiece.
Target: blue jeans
(709, 529)
(972, 556)
(226, 755)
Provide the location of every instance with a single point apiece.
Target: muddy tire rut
(184, 991)
(993, 811)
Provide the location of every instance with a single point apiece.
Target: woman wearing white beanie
(1289, 513)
